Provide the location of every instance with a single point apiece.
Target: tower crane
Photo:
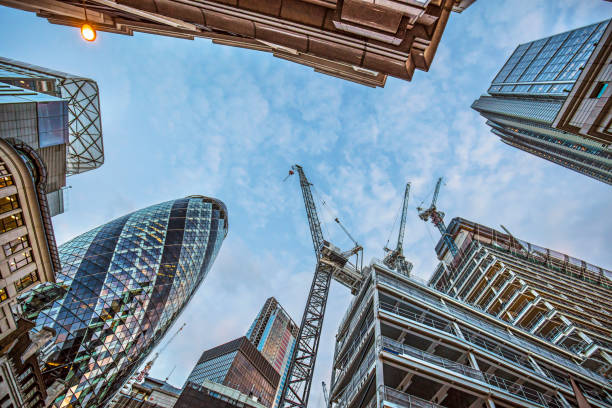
(331, 263)
(325, 394)
(139, 377)
(395, 258)
(437, 218)
(145, 371)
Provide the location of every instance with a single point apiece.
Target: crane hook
(290, 174)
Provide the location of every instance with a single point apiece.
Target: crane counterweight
(437, 218)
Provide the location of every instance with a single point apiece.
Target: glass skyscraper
(528, 93)
(274, 334)
(127, 281)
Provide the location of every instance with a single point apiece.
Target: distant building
(360, 41)
(274, 334)
(127, 281)
(551, 99)
(208, 394)
(55, 114)
(151, 393)
(239, 367)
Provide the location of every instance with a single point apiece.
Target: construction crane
(145, 371)
(325, 394)
(437, 218)
(331, 263)
(395, 258)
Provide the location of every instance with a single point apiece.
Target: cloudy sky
(189, 117)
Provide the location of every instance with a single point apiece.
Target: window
(10, 223)
(20, 261)
(8, 203)
(6, 181)
(3, 295)
(16, 245)
(599, 90)
(26, 281)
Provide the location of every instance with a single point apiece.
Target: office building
(208, 394)
(29, 254)
(55, 114)
(551, 99)
(587, 110)
(360, 41)
(409, 343)
(151, 393)
(240, 368)
(274, 333)
(127, 281)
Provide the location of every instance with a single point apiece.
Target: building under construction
(502, 323)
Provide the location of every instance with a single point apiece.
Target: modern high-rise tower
(551, 99)
(361, 41)
(502, 324)
(274, 333)
(55, 114)
(127, 281)
(234, 372)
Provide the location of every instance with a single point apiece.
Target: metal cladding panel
(122, 280)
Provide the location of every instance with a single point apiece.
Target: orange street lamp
(88, 33)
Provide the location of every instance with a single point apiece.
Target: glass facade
(274, 334)
(213, 370)
(238, 365)
(548, 66)
(127, 281)
(82, 109)
(528, 93)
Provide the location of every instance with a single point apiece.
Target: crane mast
(331, 263)
(437, 218)
(395, 258)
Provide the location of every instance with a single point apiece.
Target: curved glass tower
(127, 282)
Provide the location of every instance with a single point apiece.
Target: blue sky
(188, 117)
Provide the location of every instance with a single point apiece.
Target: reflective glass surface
(548, 66)
(127, 282)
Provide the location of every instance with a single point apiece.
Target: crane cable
(393, 226)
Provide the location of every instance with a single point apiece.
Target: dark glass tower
(527, 96)
(127, 282)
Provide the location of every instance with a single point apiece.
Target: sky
(184, 117)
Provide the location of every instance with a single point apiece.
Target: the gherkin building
(127, 281)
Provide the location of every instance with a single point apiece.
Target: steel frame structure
(330, 264)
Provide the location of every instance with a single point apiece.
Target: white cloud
(187, 117)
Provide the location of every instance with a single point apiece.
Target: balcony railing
(482, 323)
(357, 380)
(401, 399)
(513, 388)
(356, 319)
(348, 356)
(358, 299)
(420, 318)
